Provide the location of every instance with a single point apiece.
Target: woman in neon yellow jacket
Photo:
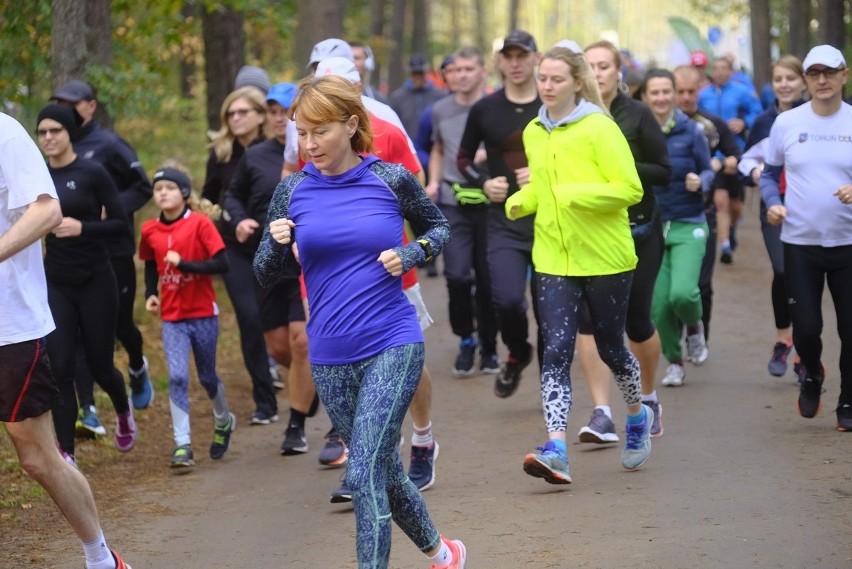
(582, 179)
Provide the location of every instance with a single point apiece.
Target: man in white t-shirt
(29, 209)
(813, 145)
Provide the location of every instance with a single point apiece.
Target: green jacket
(582, 179)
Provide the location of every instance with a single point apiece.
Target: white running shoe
(674, 376)
(696, 346)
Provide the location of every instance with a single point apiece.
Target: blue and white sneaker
(141, 389)
(422, 469)
(550, 464)
(637, 447)
(89, 424)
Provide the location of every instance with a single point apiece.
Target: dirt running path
(738, 480)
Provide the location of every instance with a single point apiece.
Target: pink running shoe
(125, 431)
(119, 562)
(459, 553)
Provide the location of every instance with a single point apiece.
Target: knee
(35, 461)
(299, 345)
(639, 332)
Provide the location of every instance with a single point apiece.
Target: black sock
(297, 418)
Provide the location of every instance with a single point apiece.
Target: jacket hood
(346, 177)
(583, 109)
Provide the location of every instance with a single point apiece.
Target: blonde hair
(222, 140)
(790, 62)
(330, 98)
(578, 67)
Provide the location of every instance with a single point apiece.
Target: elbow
(53, 215)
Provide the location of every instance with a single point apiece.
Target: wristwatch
(427, 249)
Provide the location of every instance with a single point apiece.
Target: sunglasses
(42, 132)
(829, 72)
(239, 113)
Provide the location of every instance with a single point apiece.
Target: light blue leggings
(367, 402)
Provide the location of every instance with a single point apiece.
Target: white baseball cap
(569, 44)
(826, 55)
(339, 66)
(331, 47)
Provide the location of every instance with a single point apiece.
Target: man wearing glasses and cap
(812, 143)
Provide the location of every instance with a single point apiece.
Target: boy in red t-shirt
(181, 249)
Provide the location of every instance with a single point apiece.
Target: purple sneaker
(125, 431)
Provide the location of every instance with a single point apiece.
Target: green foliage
(24, 53)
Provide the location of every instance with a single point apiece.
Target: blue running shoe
(343, 493)
(551, 464)
(422, 469)
(637, 447)
(89, 424)
(141, 390)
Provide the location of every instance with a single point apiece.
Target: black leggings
(639, 326)
(90, 310)
(808, 269)
(775, 249)
(126, 331)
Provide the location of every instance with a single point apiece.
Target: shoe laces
(220, 432)
(420, 453)
(550, 449)
(635, 433)
(780, 351)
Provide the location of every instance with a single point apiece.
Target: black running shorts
(281, 304)
(27, 387)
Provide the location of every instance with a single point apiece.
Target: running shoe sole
(587, 435)
(536, 468)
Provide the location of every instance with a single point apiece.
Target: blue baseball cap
(282, 93)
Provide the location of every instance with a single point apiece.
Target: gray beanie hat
(251, 76)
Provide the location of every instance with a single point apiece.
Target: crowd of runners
(586, 193)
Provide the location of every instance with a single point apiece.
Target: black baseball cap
(74, 91)
(418, 63)
(521, 39)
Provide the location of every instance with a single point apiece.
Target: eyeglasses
(829, 72)
(239, 113)
(42, 132)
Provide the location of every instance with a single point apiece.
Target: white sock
(98, 555)
(444, 556)
(651, 397)
(605, 408)
(422, 436)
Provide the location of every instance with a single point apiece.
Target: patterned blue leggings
(559, 300)
(367, 402)
(199, 335)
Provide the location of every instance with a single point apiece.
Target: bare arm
(41, 217)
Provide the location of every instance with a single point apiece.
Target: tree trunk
(799, 15)
(68, 52)
(224, 54)
(377, 30)
(318, 20)
(831, 26)
(760, 41)
(99, 47)
(397, 71)
(420, 27)
(482, 18)
(514, 7)
(187, 67)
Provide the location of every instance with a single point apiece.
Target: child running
(181, 249)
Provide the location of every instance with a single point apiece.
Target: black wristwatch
(427, 249)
